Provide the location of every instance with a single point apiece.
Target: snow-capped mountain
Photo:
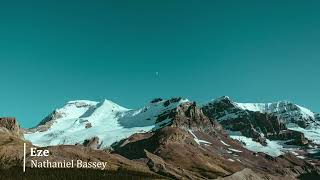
(272, 128)
(287, 111)
(82, 120)
(157, 138)
(266, 127)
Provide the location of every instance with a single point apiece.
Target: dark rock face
(295, 137)
(11, 125)
(46, 123)
(155, 100)
(53, 116)
(190, 116)
(92, 143)
(317, 117)
(176, 152)
(172, 100)
(219, 109)
(251, 124)
(288, 112)
(165, 115)
(254, 124)
(88, 125)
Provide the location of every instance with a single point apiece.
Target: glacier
(108, 121)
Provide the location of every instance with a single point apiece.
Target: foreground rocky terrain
(174, 139)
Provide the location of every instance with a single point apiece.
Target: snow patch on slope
(198, 141)
(272, 148)
(311, 133)
(224, 143)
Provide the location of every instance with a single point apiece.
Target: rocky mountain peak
(258, 125)
(189, 116)
(223, 102)
(11, 125)
(265, 122)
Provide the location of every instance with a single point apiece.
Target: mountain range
(180, 139)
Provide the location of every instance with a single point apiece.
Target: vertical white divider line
(24, 157)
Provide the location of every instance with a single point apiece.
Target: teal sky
(132, 51)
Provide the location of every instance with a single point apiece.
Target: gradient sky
(132, 51)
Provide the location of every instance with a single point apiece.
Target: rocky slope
(11, 158)
(10, 125)
(195, 147)
(178, 139)
(272, 128)
(275, 127)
